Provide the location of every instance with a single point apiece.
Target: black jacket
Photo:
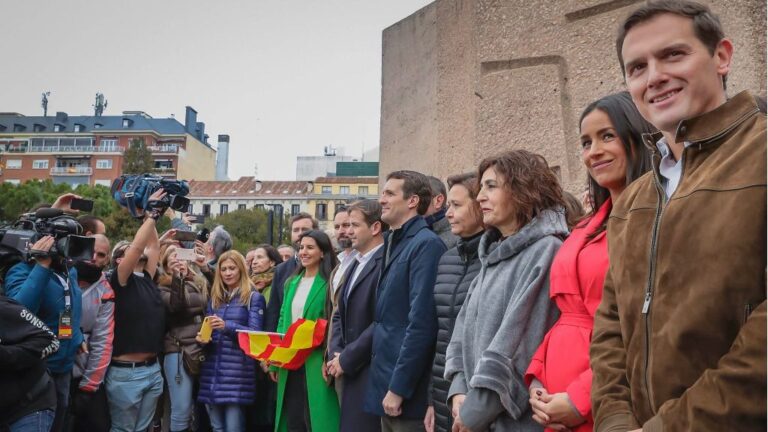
(455, 272)
(282, 272)
(25, 341)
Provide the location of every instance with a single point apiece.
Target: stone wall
(464, 79)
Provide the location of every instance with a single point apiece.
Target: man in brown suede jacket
(679, 341)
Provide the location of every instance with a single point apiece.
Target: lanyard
(67, 291)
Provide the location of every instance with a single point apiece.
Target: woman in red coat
(559, 376)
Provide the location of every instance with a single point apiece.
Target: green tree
(137, 158)
(248, 228)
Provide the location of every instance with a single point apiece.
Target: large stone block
(500, 74)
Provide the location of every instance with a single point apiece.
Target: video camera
(132, 192)
(69, 244)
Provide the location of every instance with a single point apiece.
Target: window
(127, 123)
(344, 190)
(40, 164)
(108, 143)
(321, 211)
(97, 125)
(206, 210)
(104, 164)
(78, 127)
(13, 164)
(295, 209)
(224, 209)
(13, 181)
(107, 183)
(326, 190)
(259, 206)
(57, 128)
(362, 190)
(241, 206)
(191, 209)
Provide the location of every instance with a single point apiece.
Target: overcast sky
(283, 78)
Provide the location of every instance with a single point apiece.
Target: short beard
(344, 243)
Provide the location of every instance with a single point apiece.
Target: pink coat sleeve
(578, 391)
(536, 368)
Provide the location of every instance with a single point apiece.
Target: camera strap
(65, 317)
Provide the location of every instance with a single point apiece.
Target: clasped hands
(554, 411)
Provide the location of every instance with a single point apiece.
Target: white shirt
(670, 169)
(345, 260)
(362, 260)
(300, 298)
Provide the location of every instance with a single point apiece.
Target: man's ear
(376, 228)
(724, 55)
(439, 201)
(413, 201)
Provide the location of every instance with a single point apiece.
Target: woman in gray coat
(507, 311)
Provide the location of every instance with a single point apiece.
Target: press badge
(65, 324)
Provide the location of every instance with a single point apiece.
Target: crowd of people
(493, 302)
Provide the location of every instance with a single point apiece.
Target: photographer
(134, 382)
(219, 241)
(49, 290)
(28, 399)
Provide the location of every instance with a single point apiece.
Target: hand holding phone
(205, 330)
(81, 204)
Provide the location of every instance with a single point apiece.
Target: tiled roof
(248, 187)
(347, 180)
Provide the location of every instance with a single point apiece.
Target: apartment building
(89, 149)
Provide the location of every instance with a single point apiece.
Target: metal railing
(75, 170)
(165, 148)
(72, 149)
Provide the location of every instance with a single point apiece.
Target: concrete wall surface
(464, 79)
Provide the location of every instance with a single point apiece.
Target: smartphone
(185, 236)
(203, 235)
(185, 254)
(205, 330)
(198, 219)
(81, 204)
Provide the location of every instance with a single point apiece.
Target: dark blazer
(405, 322)
(282, 272)
(352, 337)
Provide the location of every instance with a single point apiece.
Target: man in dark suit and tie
(350, 346)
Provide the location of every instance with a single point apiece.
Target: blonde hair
(218, 290)
(192, 273)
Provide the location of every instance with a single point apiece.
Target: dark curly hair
(532, 186)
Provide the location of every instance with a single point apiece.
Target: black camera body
(68, 244)
(133, 191)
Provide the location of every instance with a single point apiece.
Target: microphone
(47, 213)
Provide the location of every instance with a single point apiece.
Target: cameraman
(134, 382)
(49, 290)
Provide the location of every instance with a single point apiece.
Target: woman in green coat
(305, 400)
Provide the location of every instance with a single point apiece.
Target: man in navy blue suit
(405, 323)
(350, 347)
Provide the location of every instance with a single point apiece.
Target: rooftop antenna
(44, 103)
(100, 105)
(329, 151)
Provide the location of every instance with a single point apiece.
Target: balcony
(165, 148)
(165, 171)
(74, 149)
(72, 171)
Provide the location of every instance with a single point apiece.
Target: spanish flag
(289, 351)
